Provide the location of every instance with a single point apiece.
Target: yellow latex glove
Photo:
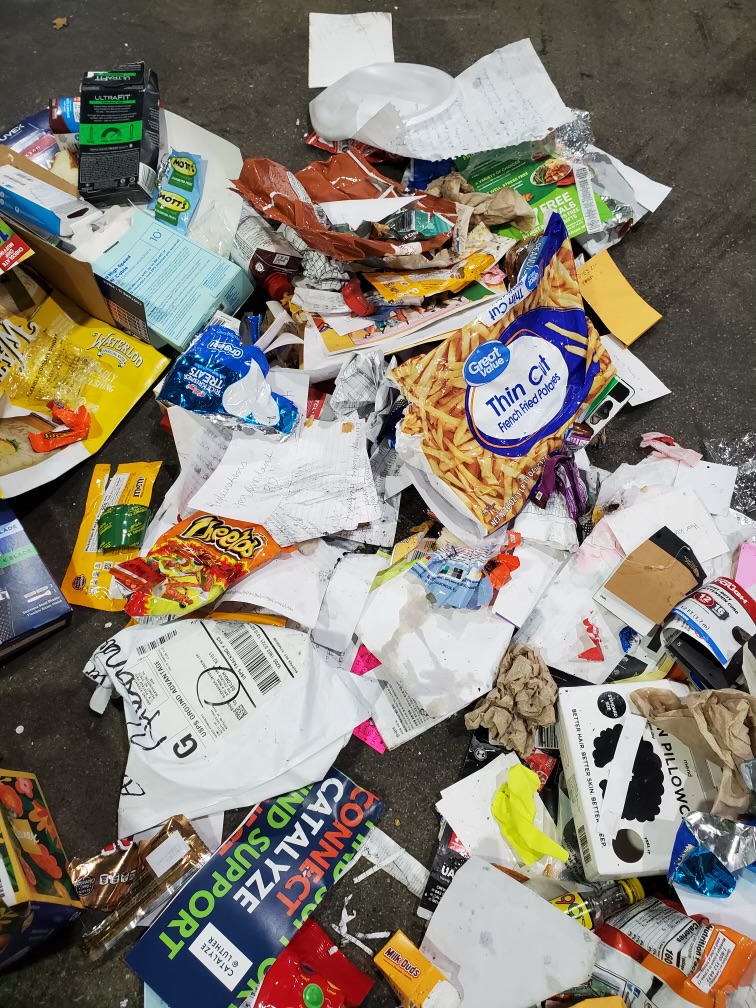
(514, 809)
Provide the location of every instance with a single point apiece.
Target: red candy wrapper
(77, 421)
(312, 972)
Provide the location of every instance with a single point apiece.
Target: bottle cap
(276, 285)
(312, 996)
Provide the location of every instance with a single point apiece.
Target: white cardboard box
(649, 788)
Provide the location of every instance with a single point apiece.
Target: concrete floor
(666, 87)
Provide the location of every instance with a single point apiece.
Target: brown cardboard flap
(20, 161)
(73, 278)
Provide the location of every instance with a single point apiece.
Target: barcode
(587, 200)
(143, 649)
(257, 664)
(546, 737)
(585, 850)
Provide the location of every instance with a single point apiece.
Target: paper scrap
(314, 484)
(200, 446)
(353, 212)
(681, 511)
(713, 483)
(365, 661)
(397, 715)
(345, 599)
(445, 658)
(516, 599)
(617, 304)
(292, 584)
(646, 386)
(504, 99)
(340, 43)
(384, 852)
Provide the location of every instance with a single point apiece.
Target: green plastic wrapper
(122, 525)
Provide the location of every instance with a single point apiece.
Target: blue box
(31, 605)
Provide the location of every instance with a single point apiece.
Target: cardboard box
(36, 203)
(36, 894)
(119, 131)
(657, 784)
(31, 605)
(105, 299)
(179, 283)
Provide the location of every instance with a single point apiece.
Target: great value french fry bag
(493, 400)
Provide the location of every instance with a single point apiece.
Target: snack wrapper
(493, 400)
(179, 190)
(312, 971)
(216, 360)
(169, 859)
(103, 881)
(192, 564)
(280, 195)
(87, 582)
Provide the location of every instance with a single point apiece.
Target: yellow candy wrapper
(87, 581)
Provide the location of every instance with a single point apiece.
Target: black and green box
(119, 136)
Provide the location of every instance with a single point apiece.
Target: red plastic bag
(312, 973)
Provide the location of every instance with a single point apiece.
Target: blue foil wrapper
(215, 360)
(696, 868)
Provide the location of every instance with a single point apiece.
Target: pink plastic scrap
(666, 447)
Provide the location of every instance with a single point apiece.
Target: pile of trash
(450, 328)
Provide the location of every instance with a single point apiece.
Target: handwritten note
(506, 98)
(681, 511)
(712, 482)
(314, 484)
(340, 43)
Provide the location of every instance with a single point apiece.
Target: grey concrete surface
(667, 86)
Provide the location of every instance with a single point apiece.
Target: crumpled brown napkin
(505, 206)
(719, 724)
(521, 700)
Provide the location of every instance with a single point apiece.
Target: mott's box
(36, 894)
(119, 131)
(649, 787)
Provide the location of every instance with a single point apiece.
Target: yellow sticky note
(620, 308)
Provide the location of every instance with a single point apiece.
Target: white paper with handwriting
(317, 482)
(506, 98)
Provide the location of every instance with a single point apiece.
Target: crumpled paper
(720, 724)
(522, 699)
(505, 206)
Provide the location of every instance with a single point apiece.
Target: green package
(549, 183)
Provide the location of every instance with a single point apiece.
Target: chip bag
(192, 564)
(493, 400)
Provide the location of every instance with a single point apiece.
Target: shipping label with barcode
(187, 691)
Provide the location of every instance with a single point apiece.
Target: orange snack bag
(192, 564)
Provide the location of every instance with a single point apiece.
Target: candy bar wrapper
(169, 859)
(87, 582)
(104, 880)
